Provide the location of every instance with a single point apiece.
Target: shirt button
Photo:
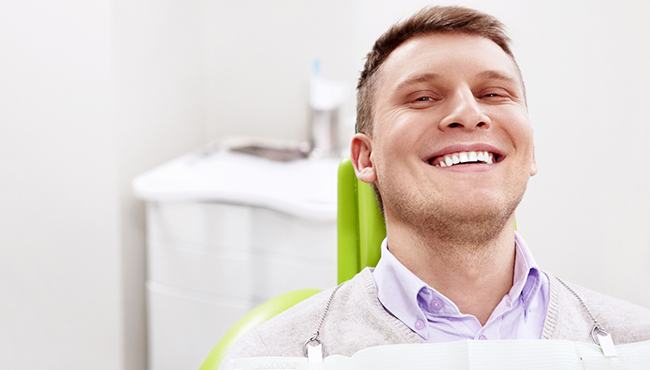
(482, 337)
(419, 324)
(435, 305)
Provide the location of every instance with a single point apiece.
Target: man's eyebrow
(429, 77)
(417, 78)
(497, 75)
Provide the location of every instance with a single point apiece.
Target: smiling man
(443, 135)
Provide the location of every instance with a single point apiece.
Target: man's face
(440, 99)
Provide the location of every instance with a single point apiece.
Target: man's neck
(475, 276)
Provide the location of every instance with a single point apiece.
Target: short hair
(434, 19)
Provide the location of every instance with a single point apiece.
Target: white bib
(468, 355)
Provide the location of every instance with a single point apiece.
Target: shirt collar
(407, 297)
(526, 278)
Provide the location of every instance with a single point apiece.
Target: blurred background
(94, 94)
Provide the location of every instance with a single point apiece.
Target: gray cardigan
(356, 320)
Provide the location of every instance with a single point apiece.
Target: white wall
(92, 94)
(59, 257)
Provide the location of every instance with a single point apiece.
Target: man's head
(439, 87)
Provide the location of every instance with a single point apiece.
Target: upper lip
(455, 148)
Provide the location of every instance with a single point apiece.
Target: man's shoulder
(285, 334)
(278, 336)
(625, 321)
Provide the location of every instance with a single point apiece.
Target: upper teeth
(463, 157)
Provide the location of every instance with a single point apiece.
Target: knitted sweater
(356, 320)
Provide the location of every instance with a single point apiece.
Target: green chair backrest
(360, 224)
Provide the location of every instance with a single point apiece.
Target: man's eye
(494, 95)
(424, 99)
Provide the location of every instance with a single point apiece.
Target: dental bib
(467, 355)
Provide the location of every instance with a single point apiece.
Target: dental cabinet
(225, 232)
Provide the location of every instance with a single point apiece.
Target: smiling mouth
(466, 158)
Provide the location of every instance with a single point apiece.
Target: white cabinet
(216, 248)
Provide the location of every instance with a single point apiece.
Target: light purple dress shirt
(519, 315)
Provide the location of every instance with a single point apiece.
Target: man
(443, 135)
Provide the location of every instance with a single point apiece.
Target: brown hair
(435, 19)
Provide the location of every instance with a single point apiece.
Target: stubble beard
(468, 227)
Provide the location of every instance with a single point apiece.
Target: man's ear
(360, 151)
(533, 165)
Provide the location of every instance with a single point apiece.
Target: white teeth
(463, 157)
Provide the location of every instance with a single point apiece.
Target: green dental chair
(361, 230)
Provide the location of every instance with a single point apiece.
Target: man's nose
(465, 112)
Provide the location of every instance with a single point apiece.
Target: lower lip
(471, 167)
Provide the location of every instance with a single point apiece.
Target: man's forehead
(436, 55)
